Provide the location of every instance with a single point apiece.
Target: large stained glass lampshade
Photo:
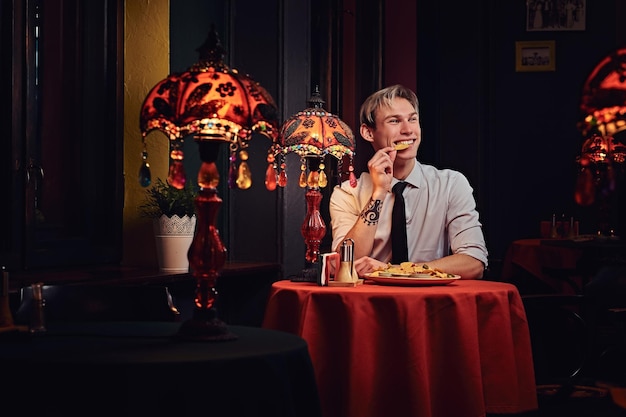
(312, 134)
(209, 101)
(603, 102)
(215, 105)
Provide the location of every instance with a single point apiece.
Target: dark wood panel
(64, 176)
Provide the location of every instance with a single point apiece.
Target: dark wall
(513, 133)
(537, 115)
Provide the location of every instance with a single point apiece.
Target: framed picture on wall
(545, 15)
(534, 56)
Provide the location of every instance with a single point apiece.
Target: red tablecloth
(553, 265)
(461, 349)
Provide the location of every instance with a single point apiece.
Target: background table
(138, 369)
(461, 349)
(537, 268)
(561, 266)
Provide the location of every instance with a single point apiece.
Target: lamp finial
(316, 100)
(211, 51)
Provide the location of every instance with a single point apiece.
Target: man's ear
(366, 133)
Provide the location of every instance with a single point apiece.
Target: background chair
(605, 299)
(579, 348)
(559, 336)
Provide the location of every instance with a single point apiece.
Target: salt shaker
(554, 232)
(572, 230)
(346, 272)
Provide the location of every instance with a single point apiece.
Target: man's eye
(394, 121)
(413, 119)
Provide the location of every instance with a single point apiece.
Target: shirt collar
(415, 177)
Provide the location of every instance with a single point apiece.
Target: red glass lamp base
(313, 228)
(205, 329)
(308, 274)
(207, 255)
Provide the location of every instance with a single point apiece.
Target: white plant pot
(173, 237)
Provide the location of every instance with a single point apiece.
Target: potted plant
(173, 215)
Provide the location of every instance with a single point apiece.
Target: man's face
(397, 125)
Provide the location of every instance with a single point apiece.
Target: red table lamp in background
(312, 134)
(601, 161)
(216, 105)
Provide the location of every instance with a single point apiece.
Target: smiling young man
(442, 224)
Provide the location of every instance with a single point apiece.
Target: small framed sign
(534, 56)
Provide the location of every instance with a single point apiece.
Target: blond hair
(382, 98)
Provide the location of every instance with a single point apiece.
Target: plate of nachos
(410, 273)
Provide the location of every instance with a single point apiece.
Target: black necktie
(399, 251)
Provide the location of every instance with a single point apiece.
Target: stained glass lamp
(603, 152)
(312, 134)
(215, 105)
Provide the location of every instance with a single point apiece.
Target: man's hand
(380, 167)
(366, 265)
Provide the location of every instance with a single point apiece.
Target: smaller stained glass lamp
(215, 105)
(603, 152)
(312, 134)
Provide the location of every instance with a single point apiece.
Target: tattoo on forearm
(371, 213)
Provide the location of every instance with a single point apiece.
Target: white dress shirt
(441, 215)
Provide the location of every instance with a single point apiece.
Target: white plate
(411, 280)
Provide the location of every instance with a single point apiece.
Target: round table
(461, 349)
(562, 266)
(139, 369)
